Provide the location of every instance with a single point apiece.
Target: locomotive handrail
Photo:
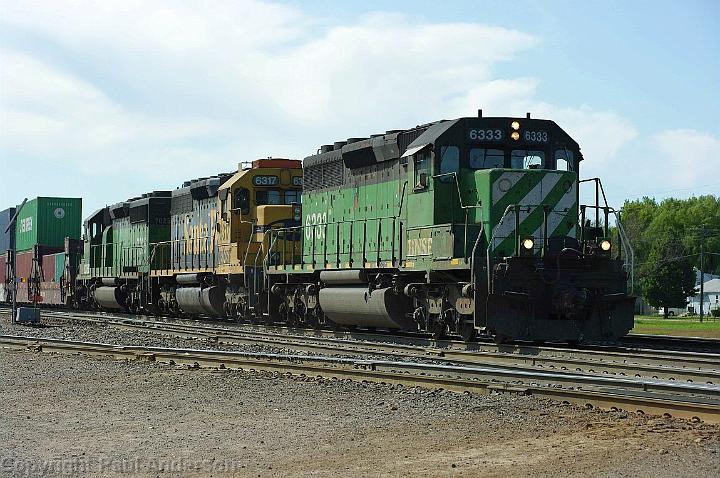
(462, 206)
(624, 240)
(457, 185)
(490, 243)
(323, 226)
(474, 250)
(402, 198)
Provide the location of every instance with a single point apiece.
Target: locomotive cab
(264, 196)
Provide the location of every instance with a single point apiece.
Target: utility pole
(14, 268)
(702, 274)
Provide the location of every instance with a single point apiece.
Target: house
(711, 299)
(707, 276)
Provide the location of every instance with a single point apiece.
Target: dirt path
(76, 415)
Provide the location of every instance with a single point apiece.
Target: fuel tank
(358, 306)
(343, 277)
(110, 297)
(196, 300)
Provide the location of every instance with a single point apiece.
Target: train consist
(451, 227)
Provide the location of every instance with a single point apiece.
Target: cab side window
(422, 169)
(449, 162)
(241, 201)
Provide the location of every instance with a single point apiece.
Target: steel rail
(692, 401)
(701, 369)
(670, 340)
(559, 363)
(672, 345)
(601, 351)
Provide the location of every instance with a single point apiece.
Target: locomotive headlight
(528, 244)
(515, 135)
(515, 125)
(605, 245)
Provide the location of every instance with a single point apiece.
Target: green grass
(683, 326)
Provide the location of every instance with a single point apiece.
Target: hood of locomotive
(536, 196)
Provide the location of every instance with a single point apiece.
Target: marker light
(515, 135)
(528, 243)
(605, 245)
(515, 125)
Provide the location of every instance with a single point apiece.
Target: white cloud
(177, 89)
(54, 115)
(688, 157)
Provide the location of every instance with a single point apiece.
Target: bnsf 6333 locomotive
(453, 227)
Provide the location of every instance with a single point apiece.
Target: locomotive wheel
(437, 329)
(502, 339)
(311, 322)
(467, 331)
(241, 312)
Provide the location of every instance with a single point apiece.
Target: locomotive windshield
(482, 158)
(494, 158)
(293, 196)
(527, 159)
(493, 143)
(267, 196)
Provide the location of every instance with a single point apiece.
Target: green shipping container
(59, 266)
(48, 221)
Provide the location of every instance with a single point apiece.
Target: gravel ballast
(94, 416)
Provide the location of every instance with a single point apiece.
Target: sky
(106, 100)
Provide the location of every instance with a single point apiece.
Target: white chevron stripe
(559, 212)
(533, 198)
(561, 209)
(509, 180)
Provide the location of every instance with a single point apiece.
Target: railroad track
(654, 397)
(670, 341)
(652, 364)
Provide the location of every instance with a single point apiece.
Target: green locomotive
(119, 253)
(453, 227)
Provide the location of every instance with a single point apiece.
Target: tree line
(666, 237)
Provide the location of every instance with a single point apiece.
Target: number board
(485, 135)
(297, 181)
(265, 180)
(536, 136)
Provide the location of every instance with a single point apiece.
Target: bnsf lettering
(421, 246)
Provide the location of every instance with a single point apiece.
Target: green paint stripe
(567, 223)
(515, 194)
(535, 218)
